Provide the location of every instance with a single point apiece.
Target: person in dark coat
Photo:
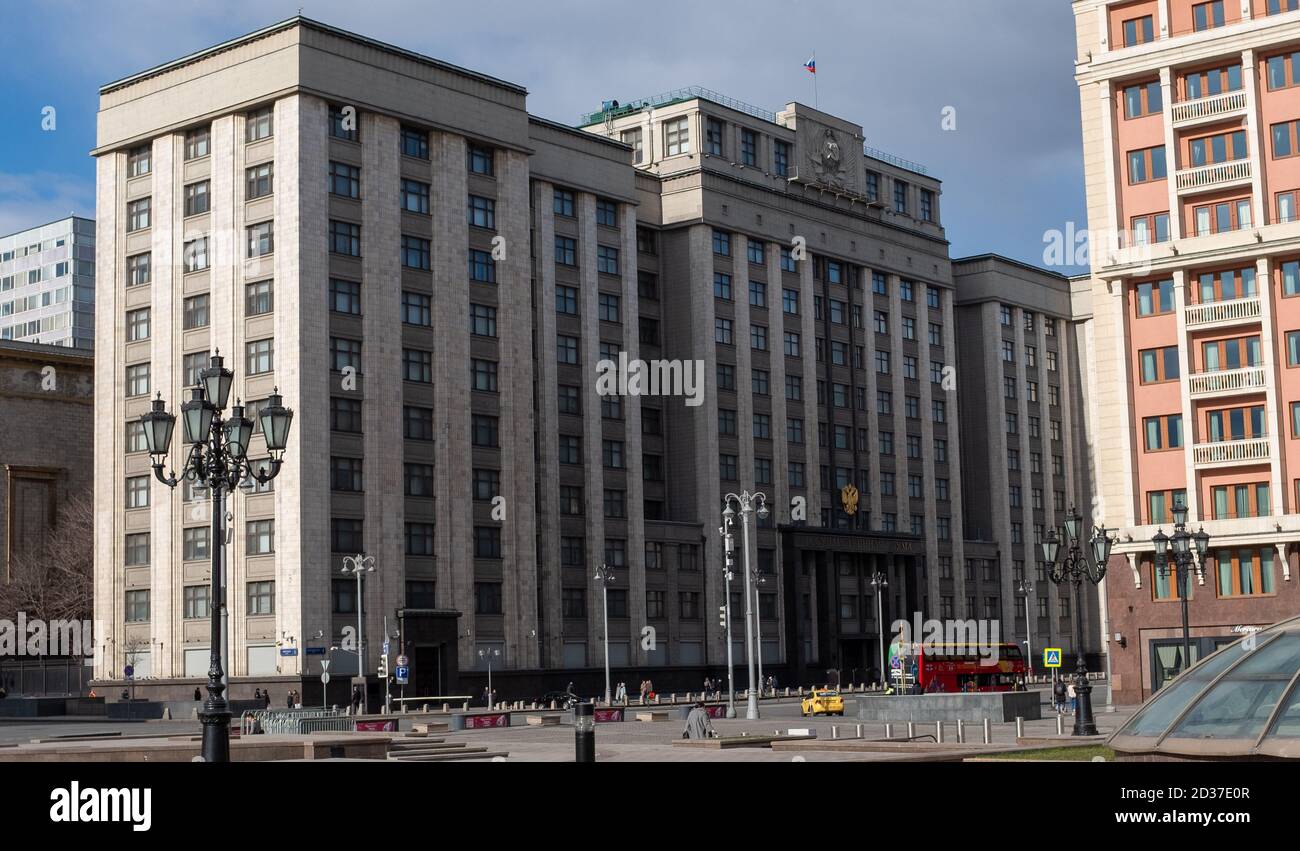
(356, 699)
(198, 695)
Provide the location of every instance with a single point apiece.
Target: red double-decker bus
(943, 667)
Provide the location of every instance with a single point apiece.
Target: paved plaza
(837, 739)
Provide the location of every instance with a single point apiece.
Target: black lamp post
(217, 459)
(1074, 564)
(1174, 558)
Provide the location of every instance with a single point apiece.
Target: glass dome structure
(1242, 702)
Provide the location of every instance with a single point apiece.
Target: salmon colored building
(1191, 125)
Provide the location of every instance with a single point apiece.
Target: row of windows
(259, 536)
(1031, 355)
(259, 124)
(1006, 313)
(196, 601)
(1010, 385)
(1246, 572)
(1035, 426)
(259, 359)
(1157, 297)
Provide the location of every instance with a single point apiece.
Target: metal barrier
(294, 721)
(434, 700)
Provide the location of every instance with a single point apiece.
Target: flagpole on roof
(816, 103)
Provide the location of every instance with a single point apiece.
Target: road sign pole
(324, 683)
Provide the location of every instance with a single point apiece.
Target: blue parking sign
(403, 674)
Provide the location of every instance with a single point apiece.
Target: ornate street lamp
(1073, 564)
(748, 504)
(1181, 555)
(217, 459)
(358, 565)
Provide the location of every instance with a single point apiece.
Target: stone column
(381, 309)
(517, 382)
(454, 539)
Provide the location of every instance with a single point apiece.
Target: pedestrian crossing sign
(1052, 657)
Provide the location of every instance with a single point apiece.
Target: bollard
(835, 731)
(465, 706)
(860, 731)
(938, 732)
(584, 736)
(961, 732)
(911, 730)
(889, 731)
(988, 732)
(1060, 725)
(1020, 727)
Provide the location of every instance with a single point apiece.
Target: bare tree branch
(56, 581)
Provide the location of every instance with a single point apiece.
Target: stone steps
(449, 754)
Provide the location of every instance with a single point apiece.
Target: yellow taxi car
(822, 702)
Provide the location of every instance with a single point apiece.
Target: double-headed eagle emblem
(849, 498)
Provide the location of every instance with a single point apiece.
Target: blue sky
(1012, 169)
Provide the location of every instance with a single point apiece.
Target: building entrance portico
(832, 616)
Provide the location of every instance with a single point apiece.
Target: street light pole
(747, 503)
(357, 565)
(605, 575)
(729, 554)
(1074, 564)
(880, 581)
(1174, 557)
(217, 458)
(758, 629)
(488, 654)
(1026, 588)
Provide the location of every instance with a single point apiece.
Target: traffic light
(722, 616)
(383, 666)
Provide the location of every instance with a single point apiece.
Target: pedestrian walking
(198, 695)
(1074, 699)
(266, 699)
(356, 699)
(698, 725)
(644, 691)
(1058, 696)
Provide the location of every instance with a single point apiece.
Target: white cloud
(28, 200)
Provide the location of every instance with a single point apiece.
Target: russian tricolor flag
(811, 65)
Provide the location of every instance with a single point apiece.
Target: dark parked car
(562, 699)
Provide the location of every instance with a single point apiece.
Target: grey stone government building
(430, 275)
